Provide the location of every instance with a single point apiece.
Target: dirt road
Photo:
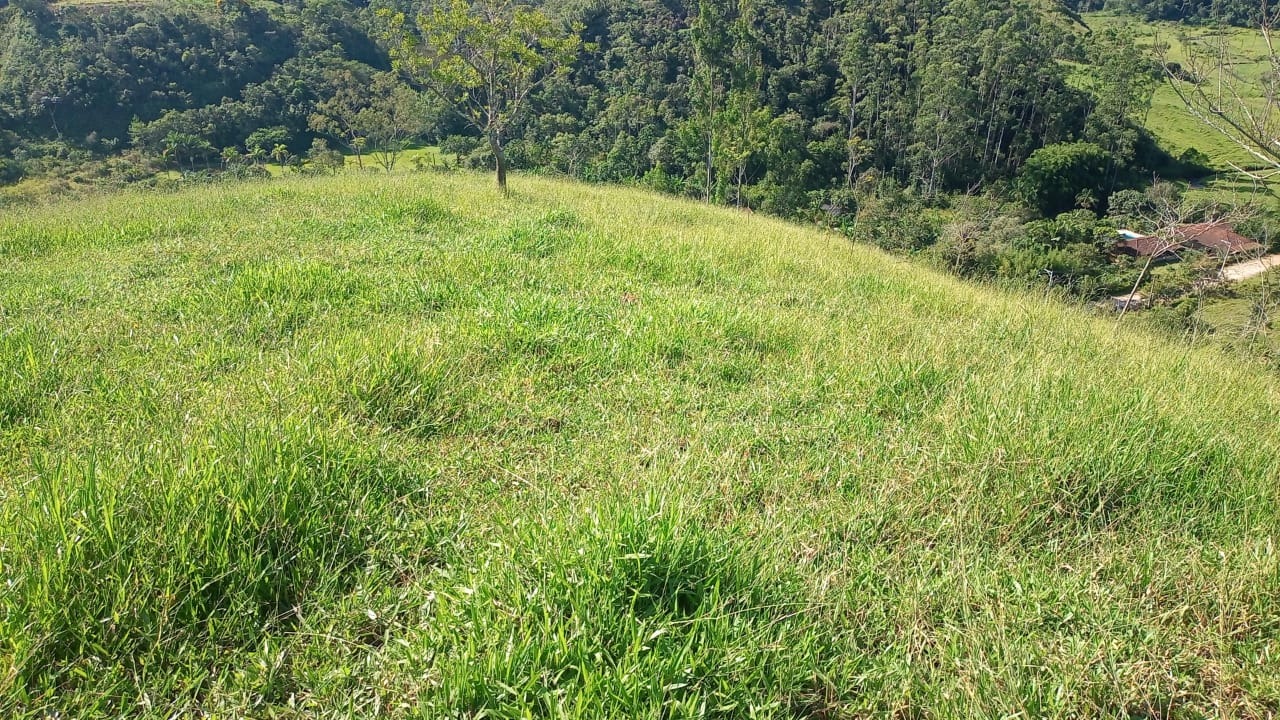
(1250, 268)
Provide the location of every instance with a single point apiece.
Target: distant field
(1232, 187)
(399, 447)
(408, 160)
(1168, 118)
(429, 155)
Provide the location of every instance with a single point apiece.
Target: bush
(1056, 175)
(11, 171)
(658, 179)
(972, 246)
(459, 146)
(1194, 163)
(1128, 205)
(1264, 227)
(892, 219)
(1078, 227)
(323, 158)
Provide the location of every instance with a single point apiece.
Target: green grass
(1241, 315)
(409, 159)
(371, 446)
(1168, 118)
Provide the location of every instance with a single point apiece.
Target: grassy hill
(396, 446)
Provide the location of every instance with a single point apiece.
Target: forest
(989, 136)
(796, 100)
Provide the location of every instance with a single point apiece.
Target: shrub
(893, 219)
(1056, 175)
(459, 146)
(323, 158)
(11, 171)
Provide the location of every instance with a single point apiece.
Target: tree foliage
(483, 60)
(1055, 176)
(374, 114)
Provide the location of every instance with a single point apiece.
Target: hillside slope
(1168, 118)
(395, 446)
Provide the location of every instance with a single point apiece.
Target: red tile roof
(1215, 237)
(1218, 237)
(1145, 245)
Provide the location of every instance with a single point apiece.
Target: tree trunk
(1129, 298)
(853, 116)
(499, 161)
(710, 163)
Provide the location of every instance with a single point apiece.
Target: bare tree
(1214, 87)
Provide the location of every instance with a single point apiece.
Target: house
(1219, 238)
(1145, 246)
(1216, 237)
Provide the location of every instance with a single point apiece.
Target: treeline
(779, 105)
(783, 106)
(173, 80)
(1234, 12)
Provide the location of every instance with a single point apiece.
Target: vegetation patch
(414, 386)
(682, 267)
(626, 589)
(421, 215)
(543, 236)
(274, 299)
(30, 375)
(824, 483)
(123, 572)
(906, 392)
(33, 240)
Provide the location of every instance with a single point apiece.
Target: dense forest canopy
(83, 76)
(776, 104)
